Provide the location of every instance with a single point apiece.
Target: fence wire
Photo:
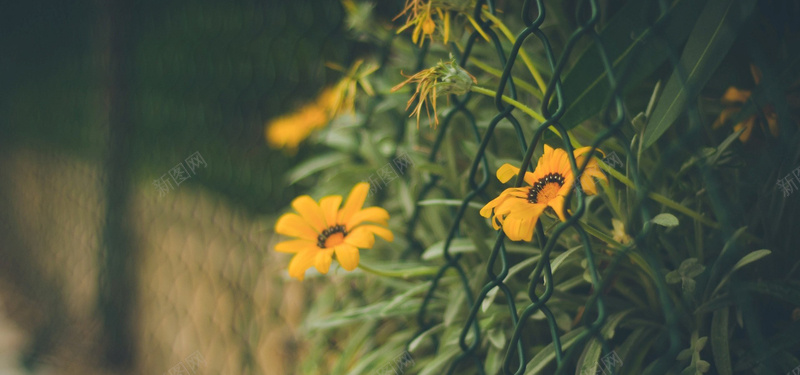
(534, 14)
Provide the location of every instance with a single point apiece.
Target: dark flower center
(322, 238)
(533, 193)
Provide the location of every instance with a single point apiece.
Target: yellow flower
(343, 95)
(735, 98)
(517, 210)
(322, 230)
(442, 79)
(289, 130)
(619, 232)
(420, 16)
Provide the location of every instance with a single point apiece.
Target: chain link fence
(106, 272)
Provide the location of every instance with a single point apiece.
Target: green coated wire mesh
(204, 77)
(657, 17)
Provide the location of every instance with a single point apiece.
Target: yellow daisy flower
(517, 210)
(322, 230)
(289, 130)
(426, 16)
(735, 98)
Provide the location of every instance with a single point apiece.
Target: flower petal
(748, 128)
(294, 226)
(354, 201)
(724, 116)
(506, 172)
(301, 262)
(361, 238)
(310, 211)
(381, 232)
(557, 204)
(772, 122)
(734, 95)
(322, 261)
(371, 214)
(520, 224)
(295, 246)
(330, 208)
(347, 255)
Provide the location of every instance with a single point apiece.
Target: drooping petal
(301, 262)
(354, 201)
(330, 209)
(520, 224)
(347, 255)
(772, 122)
(361, 238)
(310, 211)
(557, 204)
(756, 73)
(507, 171)
(371, 214)
(587, 181)
(726, 114)
(322, 260)
(294, 226)
(379, 231)
(486, 211)
(748, 128)
(295, 246)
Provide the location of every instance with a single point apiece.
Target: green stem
(400, 274)
(616, 246)
(523, 108)
(599, 235)
(499, 73)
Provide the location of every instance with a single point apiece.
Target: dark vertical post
(117, 295)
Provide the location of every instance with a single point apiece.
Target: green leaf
(747, 259)
(789, 293)
(709, 42)
(631, 45)
(720, 341)
(548, 353)
(750, 258)
(441, 360)
(665, 220)
(591, 358)
(562, 257)
(457, 245)
(314, 165)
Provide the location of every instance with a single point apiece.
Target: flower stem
(659, 198)
(499, 73)
(400, 274)
(523, 108)
(516, 104)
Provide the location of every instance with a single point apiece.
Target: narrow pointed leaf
(709, 42)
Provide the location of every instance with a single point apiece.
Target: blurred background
(106, 270)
